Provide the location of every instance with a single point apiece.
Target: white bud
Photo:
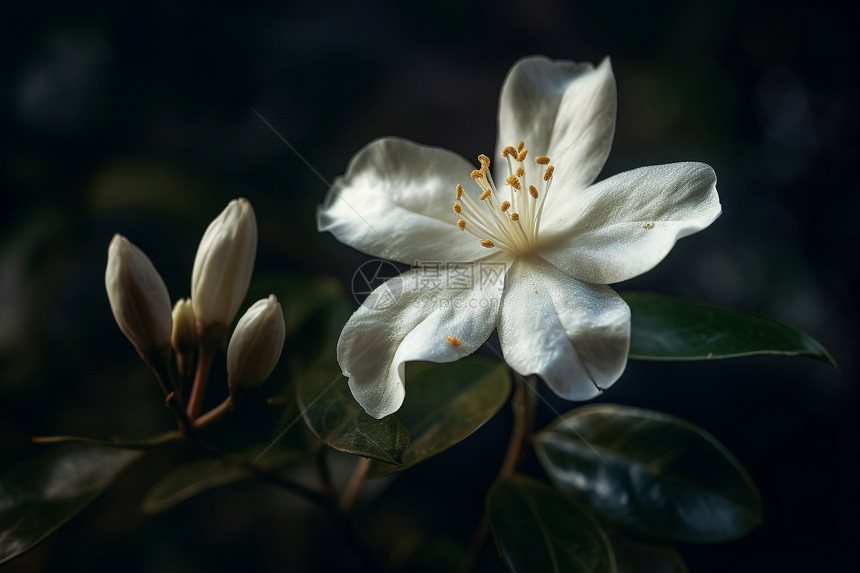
(184, 336)
(138, 298)
(256, 344)
(224, 263)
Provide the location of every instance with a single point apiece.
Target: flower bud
(184, 336)
(138, 298)
(223, 265)
(256, 345)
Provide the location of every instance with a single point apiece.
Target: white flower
(138, 298)
(183, 339)
(557, 237)
(223, 264)
(256, 344)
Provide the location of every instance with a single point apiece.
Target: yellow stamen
(548, 173)
(533, 192)
(505, 206)
(513, 182)
(457, 208)
(520, 146)
(521, 172)
(509, 150)
(459, 191)
(484, 195)
(485, 162)
(477, 174)
(542, 160)
(522, 156)
(461, 224)
(487, 243)
(646, 226)
(454, 341)
(515, 216)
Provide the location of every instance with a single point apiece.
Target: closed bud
(138, 298)
(223, 265)
(184, 336)
(256, 345)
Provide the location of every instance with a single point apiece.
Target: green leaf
(665, 328)
(650, 472)
(539, 529)
(445, 403)
(331, 413)
(193, 478)
(41, 494)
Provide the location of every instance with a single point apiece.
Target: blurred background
(138, 117)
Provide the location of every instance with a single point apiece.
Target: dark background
(138, 118)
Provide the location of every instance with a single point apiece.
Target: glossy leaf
(650, 472)
(539, 529)
(331, 413)
(445, 403)
(666, 328)
(41, 494)
(193, 478)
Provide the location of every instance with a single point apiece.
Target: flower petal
(394, 202)
(560, 109)
(574, 335)
(623, 226)
(410, 317)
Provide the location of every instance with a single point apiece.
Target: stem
(327, 501)
(359, 476)
(158, 361)
(523, 407)
(208, 337)
(268, 476)
(215, 413)
(519, 405)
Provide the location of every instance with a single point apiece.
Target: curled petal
(561, 109)
(623, 226)
(394, 202)
(411, 317)
(574, 335)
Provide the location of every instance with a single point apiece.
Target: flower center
(510, 219)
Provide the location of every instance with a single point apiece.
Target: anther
(487, 243)
(509, 150)
(485, 161)
(513, 182)
(548, 174)
(521, 172)
(505, 206)
(454, 341)
(477, 174)
(533, 192)
(484, 195)
(515, 216)
(522, 155)
(520, 146)
(459, 191)
(457, 208)
(461, 224)
(542, 160)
